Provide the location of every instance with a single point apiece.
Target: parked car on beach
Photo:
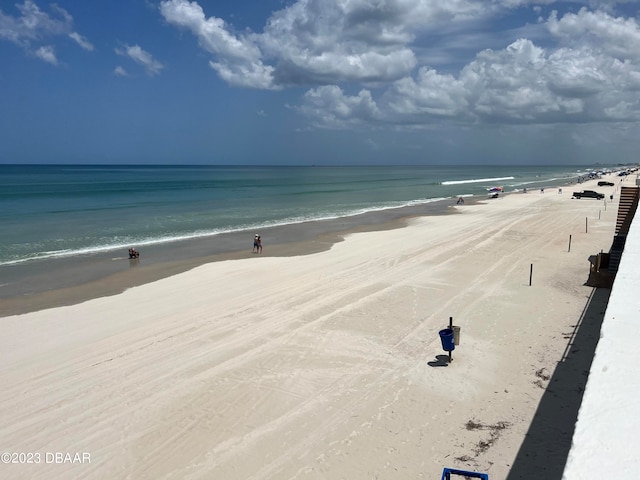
(603, 183)
(588, 194)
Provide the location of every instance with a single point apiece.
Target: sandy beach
(319, 366)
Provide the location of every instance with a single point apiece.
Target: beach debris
(466, 459)
(495, 431)
(471, 425)
(543, 375)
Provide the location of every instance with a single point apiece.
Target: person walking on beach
(259, 244)
(255, 242)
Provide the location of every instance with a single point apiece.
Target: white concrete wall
(606, 442)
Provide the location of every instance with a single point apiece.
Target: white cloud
(33, 25)
(365, 60)
(239, 59)
(252, 75)
(82, 41)
(430, 94)
(320, 41)
(141, 57)
(47, 53)
(120, 71)
(596, 80)
(330, 107)
(615, 36)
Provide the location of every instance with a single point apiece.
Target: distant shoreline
(48, 283)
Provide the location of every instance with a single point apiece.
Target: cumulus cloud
(596, 80)
(32, 26)
(430, 94)
(239, 59)
(365, 61)
(520, 84)
(320, 41)
(615, 36)
(331, 107)
(142, 58)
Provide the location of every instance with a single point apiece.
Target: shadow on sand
(544, 451)
(440, 361)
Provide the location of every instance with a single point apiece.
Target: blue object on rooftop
(446, 337)
(446, 474)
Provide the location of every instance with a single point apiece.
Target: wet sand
(35, 285)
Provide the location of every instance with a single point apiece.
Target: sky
(320, 82)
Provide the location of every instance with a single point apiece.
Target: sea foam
(476, 180)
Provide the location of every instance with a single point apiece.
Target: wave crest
(475, 180)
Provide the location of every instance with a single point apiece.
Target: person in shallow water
(133, 253)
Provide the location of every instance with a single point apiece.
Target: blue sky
(323, 82)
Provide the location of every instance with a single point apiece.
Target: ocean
(62, 211)
(68, 228)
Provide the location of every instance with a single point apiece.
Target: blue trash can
(446, 474)
(446, 337)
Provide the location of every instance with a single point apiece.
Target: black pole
(586, 226)
(530, 274)
(569, 244)
(451, 328)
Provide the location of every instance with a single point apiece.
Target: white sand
(321, 366)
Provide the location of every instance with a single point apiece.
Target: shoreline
(24, 281)
(28, 287)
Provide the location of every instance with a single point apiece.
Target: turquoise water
(49, 211)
